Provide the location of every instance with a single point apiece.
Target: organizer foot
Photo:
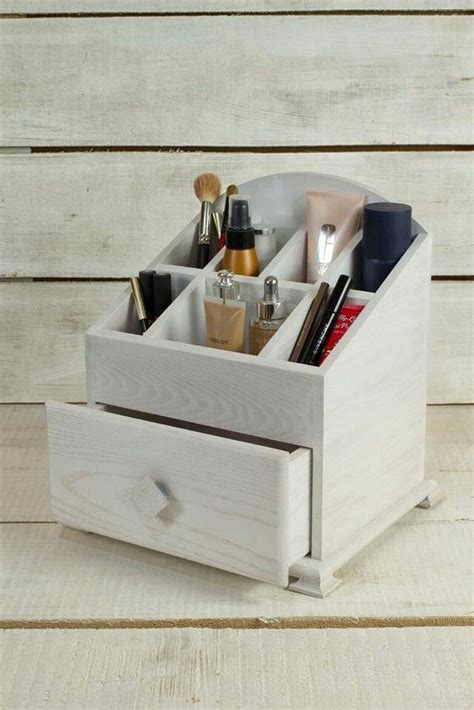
(313, 580)
(316, 577)
(434, 497)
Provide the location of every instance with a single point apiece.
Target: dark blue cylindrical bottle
(386, 237)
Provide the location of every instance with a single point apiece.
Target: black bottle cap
(146, 283)
(240, 233)
(239, 217)
(386, 230)
(161, 292)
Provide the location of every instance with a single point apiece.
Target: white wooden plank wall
(105, 121)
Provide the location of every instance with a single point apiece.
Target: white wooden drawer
(239, 506)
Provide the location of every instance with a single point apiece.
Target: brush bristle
(231, 190)
(207, 187)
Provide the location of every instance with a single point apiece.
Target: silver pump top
(326, 244)
(270, 307)
(225, 287)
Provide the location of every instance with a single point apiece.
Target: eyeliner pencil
(335, 302)
(139, 305)
(310, 322)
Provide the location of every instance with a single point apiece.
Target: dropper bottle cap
(270, 307)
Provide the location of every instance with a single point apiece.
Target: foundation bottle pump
(271, 313)
(240, 255)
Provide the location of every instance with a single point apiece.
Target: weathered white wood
(43, 354)
(451, 321)
(24, 487)
(422, 669)
(238, 6)
(228, 501)
(414, 570)
(299, 495)
(108, 214)
(316, 578)
(371, 453)
(239, 391)
(117, 81)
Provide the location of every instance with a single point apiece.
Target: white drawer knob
(148, 497)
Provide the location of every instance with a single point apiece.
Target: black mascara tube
(335, 302)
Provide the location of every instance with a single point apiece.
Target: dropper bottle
(240, 255)
(271, 313)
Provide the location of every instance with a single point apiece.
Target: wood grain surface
(43, 355)
(58, 573)
(24, 463)
(110, 214)
(426, 669)
(331, 80)
(235, 6)
(219, 513)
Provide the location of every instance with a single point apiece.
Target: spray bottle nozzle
(239, 212)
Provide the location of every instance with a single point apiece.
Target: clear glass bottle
(265, 243)
(225, 314)
(270, 315)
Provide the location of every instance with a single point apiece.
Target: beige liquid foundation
(225, 314)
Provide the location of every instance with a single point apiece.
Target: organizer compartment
(281, 345)
(235, 505)
(123, 319)
(186, 323)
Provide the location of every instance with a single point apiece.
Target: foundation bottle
(225, 314)
(270, 315)
(240, 255)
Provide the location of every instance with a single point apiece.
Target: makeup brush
(231, 190)
(207, 188)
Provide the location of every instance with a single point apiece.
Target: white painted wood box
(274, 470)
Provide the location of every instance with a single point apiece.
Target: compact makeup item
(231, 190)
(139, 305)
(328, 321)
(326, 244)
(207, 188)
(341, 209)
(240, 255)
(345, 319)
(225, 314)
(146, 285)
(271, 313)
(265, 243)
(310, 324)
(161, 292)
(386, 236)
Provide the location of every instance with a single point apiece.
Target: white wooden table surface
(109, 109)
(95, 623)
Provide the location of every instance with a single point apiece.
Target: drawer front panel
(213, 500)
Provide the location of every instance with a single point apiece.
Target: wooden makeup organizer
(274, 470)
